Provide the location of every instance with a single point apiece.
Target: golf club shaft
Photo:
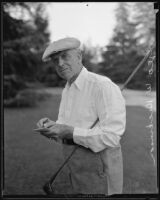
(137, 68)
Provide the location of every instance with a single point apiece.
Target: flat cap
(60, 45)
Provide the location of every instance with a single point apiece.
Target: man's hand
(52, 130)
(45, 122)
(43, 125)
(58, 131)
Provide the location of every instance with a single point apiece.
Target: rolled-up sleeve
(111, 111)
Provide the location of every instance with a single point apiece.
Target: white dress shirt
(89, 97)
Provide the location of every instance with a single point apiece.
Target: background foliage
(133, 36)
(26, 35)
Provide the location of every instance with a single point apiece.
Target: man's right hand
(45, 123)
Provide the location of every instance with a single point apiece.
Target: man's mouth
(62, 70)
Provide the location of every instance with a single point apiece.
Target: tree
(123, 54)
(144, 16)
(91, 56)
(23, 41)
(117, 62)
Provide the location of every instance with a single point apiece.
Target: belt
(68, 141)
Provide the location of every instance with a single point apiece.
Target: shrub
(26, 98)
(12, 84)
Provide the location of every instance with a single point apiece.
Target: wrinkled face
(67, 63)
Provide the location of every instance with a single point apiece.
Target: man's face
(67, 63)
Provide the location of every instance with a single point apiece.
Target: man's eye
(64, 56)
(55, 60)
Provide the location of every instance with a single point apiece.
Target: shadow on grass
(30, 159)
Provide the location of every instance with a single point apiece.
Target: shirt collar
(79, 82)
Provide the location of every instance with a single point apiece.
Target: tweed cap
(60, 45)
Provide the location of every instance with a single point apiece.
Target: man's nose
(60, 61)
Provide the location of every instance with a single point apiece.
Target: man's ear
(79, 54)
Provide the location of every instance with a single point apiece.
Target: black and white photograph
(79, 99)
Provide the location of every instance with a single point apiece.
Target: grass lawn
(30, 159)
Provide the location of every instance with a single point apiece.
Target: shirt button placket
(69, 105)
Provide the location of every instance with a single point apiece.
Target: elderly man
(96, 167)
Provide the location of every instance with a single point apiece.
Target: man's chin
(65, 77)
